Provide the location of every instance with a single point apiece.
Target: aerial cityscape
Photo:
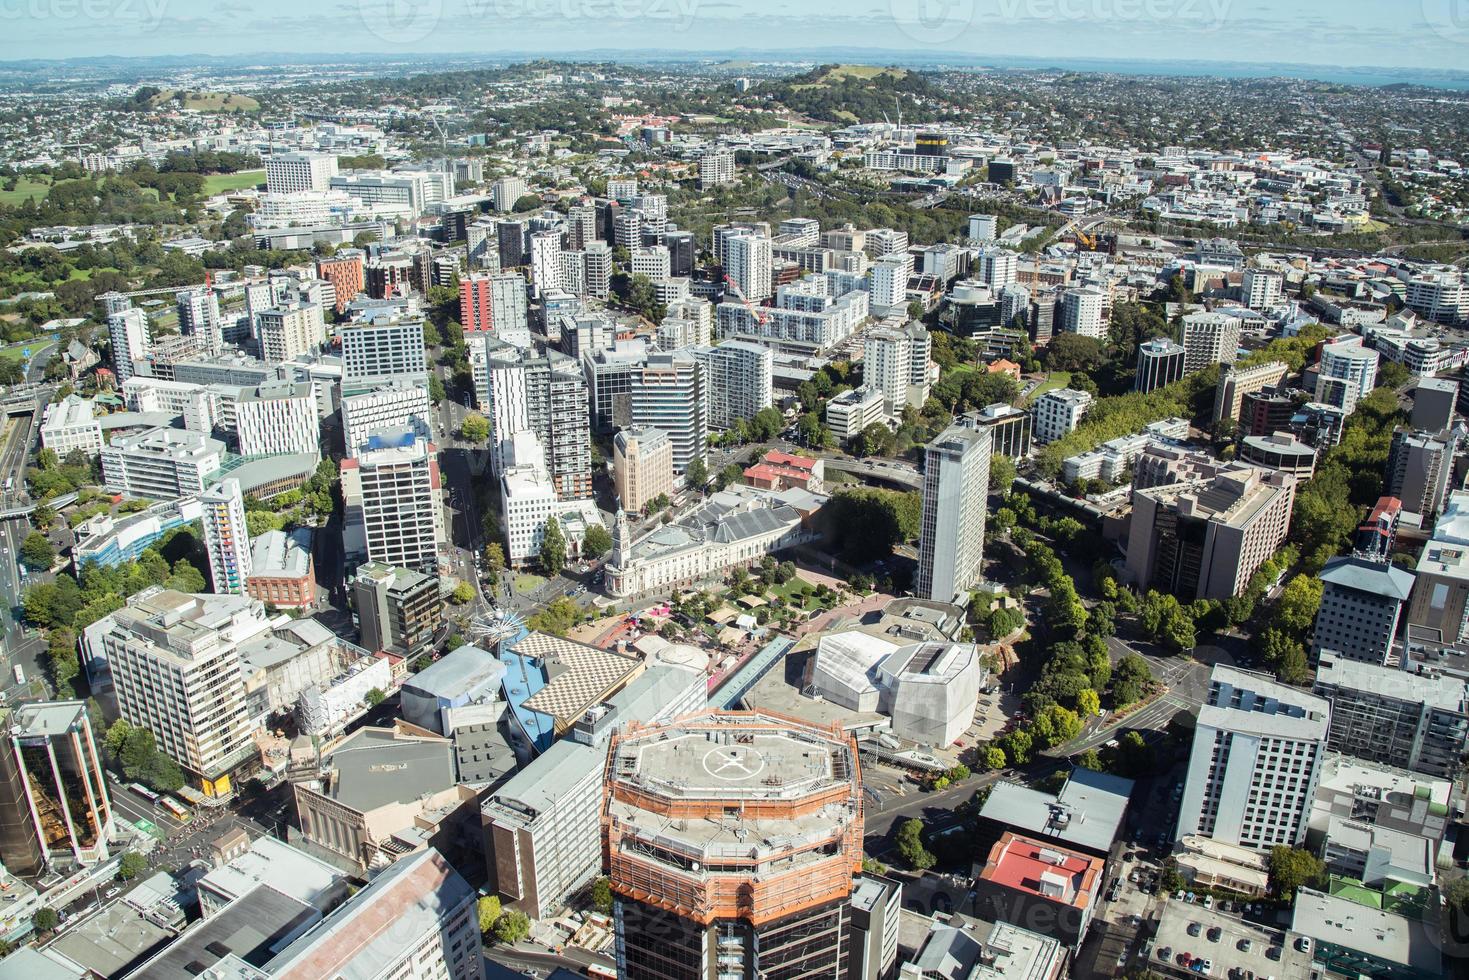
(693, 490)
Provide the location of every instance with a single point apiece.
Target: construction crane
(1082, 238)
(760, 318)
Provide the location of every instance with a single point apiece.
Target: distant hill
(852, 93)
(202, 101)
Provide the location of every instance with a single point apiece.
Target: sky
(1388, 33)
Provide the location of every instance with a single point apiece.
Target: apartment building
(399, 610)
(1058, 412)
(1236, 384)
(896, 359)
(391, 497)
(853, 410)
(161, 463)
(377, 353)
(287, 333)
(398, 405)
(1209, 338)
(956, 479)
(1399, 718)
(277, 419)
(226, 537)
(1361, 603)
(642, 467)
(1159, 363)
(670, 393)
(737, 380)
(1347, 374)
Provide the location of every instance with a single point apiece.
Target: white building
(854, 410)
(161, 463)
(737, 380)
(716, 167)
(669, 393)
(131, 340)
(398, 405)
(887, 281)
(896, 359)
(198, 316)
(599, 269)
(506, 191)
(290, 332)
(1346, 375)
(1058, 412)
(747, 263)
(375, 353)
(278, 419)
(545, 261)
(956, 486)
(1252, 771)
(652, 261)
(1209, 338)
(997, 266)
(70, 424)
(1260, 289)
(391, 496)
(1081, 312)
(983, 227)
(226, 537)
(293, 173)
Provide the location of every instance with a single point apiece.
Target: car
(112, 893)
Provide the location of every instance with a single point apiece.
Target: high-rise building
(161, 463)
(198, 316)
(176, 668)
(881, 242)
(737, 380)
(887, 281)
(512, 244)
(1434, 402)
(1361, 603)
(131, 340)
(346, 272)
(376, 353)
(983, 227)
(226, 537)
(1419, 470)
(599, 269)
(65, 800)
(1081, 312)
(651, 261)
(401, 404)
(1260, 289)
(1204, 538)
(627, 229)
(642, 467)
(784, 794)
(278, 418)
(956, 480)
(747, 261)
(1058, 412)
(294, 173)
(545, 261)
(506, 191)
(622, 189)
(1209, 338)
(1396, 717)
(896, 359)
(669, 393)
(581, 226)
(997, 268)
(1347, 373)
(391, 496)
(716, 167)
(399, 610)
(290, 332)
(1254, 765)
(1159, 363)
(1236, 383)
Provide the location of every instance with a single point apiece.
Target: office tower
(1361, 601)
(716, 167)
(506, 191)
(512, 244)
(1434, 400)
(399, 405)
(1440, 297)
(627, 229)
(527, 499)
(853, 410)
(581, 226)
(545, 261)
(376, 353)
(983, 227)
(1159, 363)
(1346, 375)
(669, 393)
(415, 919)
(64, 798)
(887, 281)
(1058, 412)
(226, 537)
(886, 241)
(1419, 470)
(737, 380)
(347, 274)
(956, 486)
(1254, 764)
(574, 273)
(546, 396)
(276, 419)
(642, 467)
(131, 340)
(747, 263)
(295, 173)
(1383, 714)
(1209, 338)
(198, 316)
(175, 663)
(21, 850)
(161, 463)
(391, 492)
(1204, 538)
(653, 210)
(685, 909)
(651, 261)
(1260, 290)
(1237, 383)
(1081, 312)
(599, 269)
(290, 332)
(399, 610)
(997, 270)
(896, 359)
(681, 252)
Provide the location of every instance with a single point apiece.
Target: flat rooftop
(1049, 871)
(1227, 941)
(1381, 935)
(112, 942)
(48, 719)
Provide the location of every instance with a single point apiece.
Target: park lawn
(223, 183)
(1054, 381)
(526, 582)
(26, 187)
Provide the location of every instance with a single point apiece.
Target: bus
(144, 792)
(20, 674)
(599, 972)
(179, 813)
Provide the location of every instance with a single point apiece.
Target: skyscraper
(376, 353)
(131, 341)
(1346, 375)
(737, 380)
(198, 314)
(226, 537)
(956, 481)
(391, 497)
(1159, 363)
(731, 843)
(60, 767)
(1209, 338)
(747, 261)
(545, 261)
(669, 394)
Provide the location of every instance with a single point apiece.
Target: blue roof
(1363, 575)
(523, 678)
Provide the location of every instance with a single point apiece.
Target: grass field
(26, 187)
(526, 582)
(208, 101)
(1054, 380)
(222, 183)
(843, 72)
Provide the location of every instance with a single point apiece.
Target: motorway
(19, 647)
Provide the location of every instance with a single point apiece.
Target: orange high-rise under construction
(732, 839)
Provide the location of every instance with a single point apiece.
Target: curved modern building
(1280, 451)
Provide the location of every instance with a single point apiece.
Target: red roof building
(1042, 887)
(781, 471)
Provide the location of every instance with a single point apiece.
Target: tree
(697, 473)
(1017, 746)
(1130, 680)
(597, 541)
(1299, 601)
(463, 593)
(1055, 725)
(553, 549)
(557, 618)
(131, 865)
(45, 919)
(436, 387)
(875, 440)
(374, 697)
(512, 926)
(1292, 868)
(1088, 703)
(911, 847)
(1002, 473)
(489, 913)
(602, 895)
(36, 552)
(474, 428)
(494, 558)
(994, 758)
(1074, 352)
